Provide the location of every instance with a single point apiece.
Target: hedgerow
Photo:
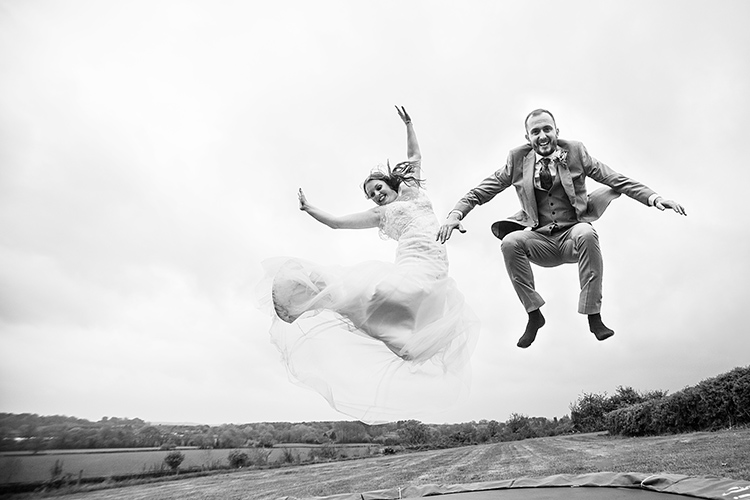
(715, 403)
(588, 412)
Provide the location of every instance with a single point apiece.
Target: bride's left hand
(403, 115)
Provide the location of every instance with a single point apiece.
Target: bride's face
(379, 192)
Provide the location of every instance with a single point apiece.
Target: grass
(28, 468)
(721, 453)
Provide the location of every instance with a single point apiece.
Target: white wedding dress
(380, 341)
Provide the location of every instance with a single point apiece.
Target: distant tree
(267, 439)
(413, 433)
(302, 433)
(483, 434)
(81, 438)
(148, 436)
(313, 437)
(174, 459)
(351, 432)
(625, 396)
(518, 427)
(493, 428)
(231, 436)
(202, 440)
(462, 434)
(564, 425)
(266, 435)
(655, 394)
(107, 437)
(28, 431)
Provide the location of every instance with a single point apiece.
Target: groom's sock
(598, 328)
(536, 321)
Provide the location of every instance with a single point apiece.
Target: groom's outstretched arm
(484, 192)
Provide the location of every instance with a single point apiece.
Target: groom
(549, 176)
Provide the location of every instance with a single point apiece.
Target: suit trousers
(579, 243)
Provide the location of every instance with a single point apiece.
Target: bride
(379, 340)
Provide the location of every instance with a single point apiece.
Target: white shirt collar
(555, 154)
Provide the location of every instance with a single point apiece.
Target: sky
(151, 152)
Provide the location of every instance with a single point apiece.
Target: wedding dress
(380, 341)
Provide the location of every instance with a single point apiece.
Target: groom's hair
(538, 112)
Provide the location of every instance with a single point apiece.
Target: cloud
(153, 152)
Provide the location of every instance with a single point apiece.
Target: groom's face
(541, 133)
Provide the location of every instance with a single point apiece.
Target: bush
(174, 459)
(325, 452)
(56, 470)
(413, 433)
(238, 459)
(288, 457)
(715, 403)
(259, 456)
(588, 413)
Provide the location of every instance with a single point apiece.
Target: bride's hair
(393, 177)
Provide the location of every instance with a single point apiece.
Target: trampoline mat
(592, 486)
(582, 493)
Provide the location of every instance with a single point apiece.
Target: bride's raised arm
(414, 156)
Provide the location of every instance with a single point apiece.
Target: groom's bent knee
(585, 234)
(513, 243)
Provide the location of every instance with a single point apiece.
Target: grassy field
(26, 468)
(722, 453)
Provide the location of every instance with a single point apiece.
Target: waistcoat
(554, 209)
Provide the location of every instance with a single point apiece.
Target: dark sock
(536, 321)
(598, 328)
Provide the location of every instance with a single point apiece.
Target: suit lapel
(566, 179)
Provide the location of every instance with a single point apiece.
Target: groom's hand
(663, 204)
(451, 223)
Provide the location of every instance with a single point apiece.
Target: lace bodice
(411, 221)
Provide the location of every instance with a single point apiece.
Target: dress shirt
(552, 166)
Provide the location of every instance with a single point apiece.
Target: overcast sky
(150, 154)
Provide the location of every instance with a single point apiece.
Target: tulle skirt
(380, 342)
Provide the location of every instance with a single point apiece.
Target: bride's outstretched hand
(403, 115)
(302, 200)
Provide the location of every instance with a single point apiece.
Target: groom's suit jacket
(573, 171)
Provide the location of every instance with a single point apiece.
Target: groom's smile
(541, 133)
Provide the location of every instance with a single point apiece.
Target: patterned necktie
(545, 177)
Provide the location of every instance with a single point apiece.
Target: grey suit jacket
(519, 173)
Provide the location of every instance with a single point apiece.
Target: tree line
(33, 432)
(714, 403)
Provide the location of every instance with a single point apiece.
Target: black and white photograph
(249, 235)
